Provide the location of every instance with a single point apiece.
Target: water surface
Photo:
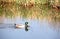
(39, 29)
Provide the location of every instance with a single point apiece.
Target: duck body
(20, 26)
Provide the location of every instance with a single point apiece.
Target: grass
(38, 11)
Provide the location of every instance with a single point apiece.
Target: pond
(39, 29)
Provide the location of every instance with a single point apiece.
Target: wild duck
(20, 26)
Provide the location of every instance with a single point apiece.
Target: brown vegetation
(27, 5)
(5, 4)
(56, 6)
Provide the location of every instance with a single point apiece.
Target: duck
(20, 26)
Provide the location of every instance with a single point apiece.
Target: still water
(39, 29)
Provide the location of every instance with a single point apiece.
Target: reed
(29, 10)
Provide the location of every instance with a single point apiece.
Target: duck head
(26, 23)
(26, 26)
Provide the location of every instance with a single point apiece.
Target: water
(39, 29)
